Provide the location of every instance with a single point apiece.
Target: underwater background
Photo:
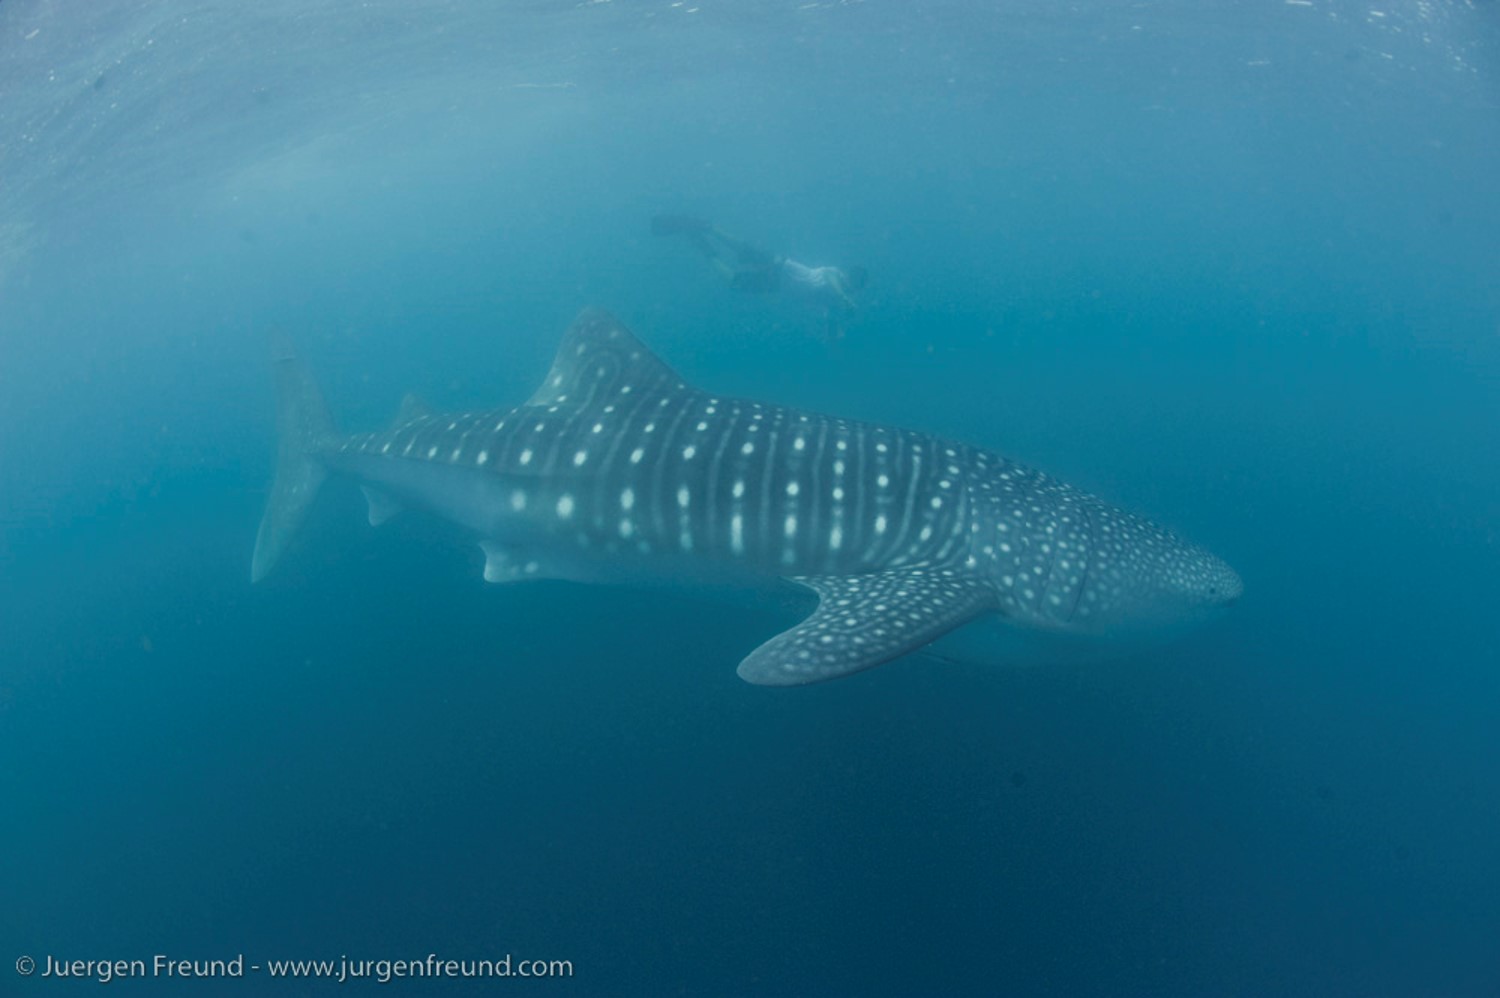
(1234, 265)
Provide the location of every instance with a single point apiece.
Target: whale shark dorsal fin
(864, 620)
(411, 409)
(600, 359)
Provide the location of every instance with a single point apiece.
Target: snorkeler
(751, 269)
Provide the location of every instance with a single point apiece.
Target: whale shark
(618, 469)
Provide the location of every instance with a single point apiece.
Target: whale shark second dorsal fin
(599, 359)
(412, 408)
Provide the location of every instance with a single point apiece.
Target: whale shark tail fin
(303, 425)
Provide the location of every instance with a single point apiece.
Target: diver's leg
(745, 254)
(744, 266)
(714, 253)
(676, 225)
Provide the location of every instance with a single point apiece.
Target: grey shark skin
(616, 468)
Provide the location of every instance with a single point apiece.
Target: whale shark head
(1160, 582)
(1201, 581)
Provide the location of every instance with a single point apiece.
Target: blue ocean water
(1231, 264)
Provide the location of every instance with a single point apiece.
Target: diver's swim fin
(676, 225)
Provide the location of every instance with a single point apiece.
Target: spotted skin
(616, 462)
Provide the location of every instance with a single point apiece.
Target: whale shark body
(618, 469)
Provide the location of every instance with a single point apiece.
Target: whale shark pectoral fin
(864, 620)
(382, 505)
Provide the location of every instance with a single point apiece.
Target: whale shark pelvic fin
(383, 505)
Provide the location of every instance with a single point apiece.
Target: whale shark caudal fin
(864, 620)
(302, 425)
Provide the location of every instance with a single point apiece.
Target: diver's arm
(838, 282)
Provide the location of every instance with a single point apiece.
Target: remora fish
(616, 467)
